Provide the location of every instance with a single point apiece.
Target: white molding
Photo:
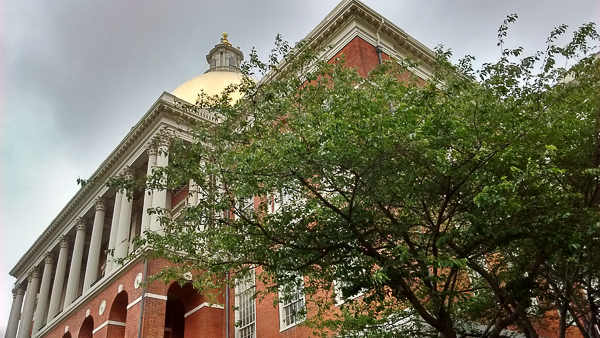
(100, 327)
(114, 322)
(355, 27)
(205, 304)
(108, 322)
(155, 296)
(134, 302)
(164, 112)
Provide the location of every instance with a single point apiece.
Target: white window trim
(278, 200)
(282, 324)
(237, 306)
(339, 298)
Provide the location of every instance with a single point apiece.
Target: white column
(30, 295)
(91, 268)
(15, 312)
(148, 193)
(160, 196)
(193, 193)
(114, 229)
(59, 279)
(122, 244)
(134, 228)
(42, 305)
(76, 259)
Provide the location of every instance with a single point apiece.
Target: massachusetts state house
(68, 286)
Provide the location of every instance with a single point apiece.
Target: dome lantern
(224, 61)
(224, 57)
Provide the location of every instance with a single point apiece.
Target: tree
(463, 204)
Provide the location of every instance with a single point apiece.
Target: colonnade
(46, 284)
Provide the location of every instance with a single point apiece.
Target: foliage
(464, 203)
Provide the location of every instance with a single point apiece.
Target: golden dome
(212, 83)
(224, 61)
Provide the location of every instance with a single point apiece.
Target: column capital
(99, 203)
(165, 137)
(64, 241)
(18, 290)
(80, 223)
(48, 258)
(128, 172)
(151, 149)
(33, 273)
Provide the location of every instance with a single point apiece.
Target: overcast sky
(75, 76)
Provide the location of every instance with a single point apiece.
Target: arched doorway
(67, 335)
(175, 313)
(87, 328)
(189, 314)
(118, 316)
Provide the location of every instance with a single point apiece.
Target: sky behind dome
(76, 76)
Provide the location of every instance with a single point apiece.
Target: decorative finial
(224, 39)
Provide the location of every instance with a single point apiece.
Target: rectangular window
(245, 315)
(339, 294)
(245, 205)
(279, 200)
(291, 302)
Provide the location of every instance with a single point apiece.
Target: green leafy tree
(465, 204)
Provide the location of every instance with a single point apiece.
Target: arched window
(87, 327)
(117, 316)
(190, 314)
(175, 313)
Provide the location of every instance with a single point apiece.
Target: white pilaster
(42, 305)
(122, 244)
(193, 193)
(135, 222)
(160, 196)
(91, 268)
(148, 194)
(15, 312)
(114, 229)
(76, 259)
(59, 279)
(33, 285)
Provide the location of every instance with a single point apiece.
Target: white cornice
(166, 105)
(360, 20)
(355, 26)
(319, 37)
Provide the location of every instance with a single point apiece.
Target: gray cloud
(78, 75)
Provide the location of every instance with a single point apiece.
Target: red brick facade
(361, 55)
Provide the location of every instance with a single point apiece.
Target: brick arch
(87, 328)
(175, 313)
(67, 335)
(117, 316)
(189, 313)
(189, 296)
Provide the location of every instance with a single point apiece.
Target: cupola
(224, 61)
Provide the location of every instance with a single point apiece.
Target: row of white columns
(49, 300)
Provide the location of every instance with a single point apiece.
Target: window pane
(292, 303)
(246, 315)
